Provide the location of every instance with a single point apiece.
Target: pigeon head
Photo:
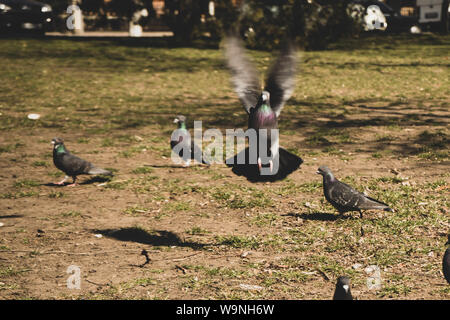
(324, 170)
(181, 120)
(264, 97)
(58, 144)
(344, 282)
(57, 141)
(343, 291)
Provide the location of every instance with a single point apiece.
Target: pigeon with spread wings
(263, 107)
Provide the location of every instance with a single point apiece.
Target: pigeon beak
(346, 287)
(53, 142)
(176, 120)
(317, 172)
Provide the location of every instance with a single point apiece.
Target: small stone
(356, 266)
(250, 287)
(33, 116)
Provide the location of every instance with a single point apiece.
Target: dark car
(25, 15)
(395, 21)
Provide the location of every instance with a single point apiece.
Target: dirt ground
(210, 234)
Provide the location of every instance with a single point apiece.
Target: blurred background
(315, 23)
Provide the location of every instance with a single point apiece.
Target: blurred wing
(280, 81)
(243, 73)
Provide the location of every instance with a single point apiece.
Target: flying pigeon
(344, 198)
(182, 142)
(446, 262)
(264, 106)
(71, 165)
(342, 291)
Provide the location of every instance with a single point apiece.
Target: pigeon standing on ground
(342, 291)
(446, 262)
(264, 106)
(71, 165)
(344, 198)
(183, 143)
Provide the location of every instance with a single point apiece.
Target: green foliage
(314, 24)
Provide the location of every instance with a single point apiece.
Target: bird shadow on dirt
(92, 180)
(288, 163)
(318, 216)
(154, 238)
(11, 216)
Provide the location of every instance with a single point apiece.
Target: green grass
(238, 241)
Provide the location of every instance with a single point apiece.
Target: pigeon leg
(360, 214)
(60, 183)
(74, 182)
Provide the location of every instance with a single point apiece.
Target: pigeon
(264, 106)
(446, 262)
(71, 165)
(183, 142)
(344, 198)
(342, 291)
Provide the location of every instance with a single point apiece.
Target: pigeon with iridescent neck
(344, 198)
(264, 106)
(183, 145)
(71, 165)
(342, 291)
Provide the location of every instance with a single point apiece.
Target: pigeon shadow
(92, 180)
(155, 238)
(288, 163)
(10, 216)
(318, 216)
(52, 184)
(96, 179)
(171, 166)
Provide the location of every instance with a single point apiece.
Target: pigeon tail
(376, 204)
(99, 171)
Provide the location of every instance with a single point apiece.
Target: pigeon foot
(72, 184)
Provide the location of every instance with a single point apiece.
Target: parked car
(25, 15)
(394, 20)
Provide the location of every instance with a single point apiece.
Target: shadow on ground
(318, 216)
(155, 238)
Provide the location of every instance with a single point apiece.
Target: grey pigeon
(264, 106)
(184, 142)
(446, 262)
(344, 198)
(342, 291)
(71, 165)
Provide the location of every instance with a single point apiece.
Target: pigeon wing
(74, 165)
(280, 81)
(345, 196)
(243, 73)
